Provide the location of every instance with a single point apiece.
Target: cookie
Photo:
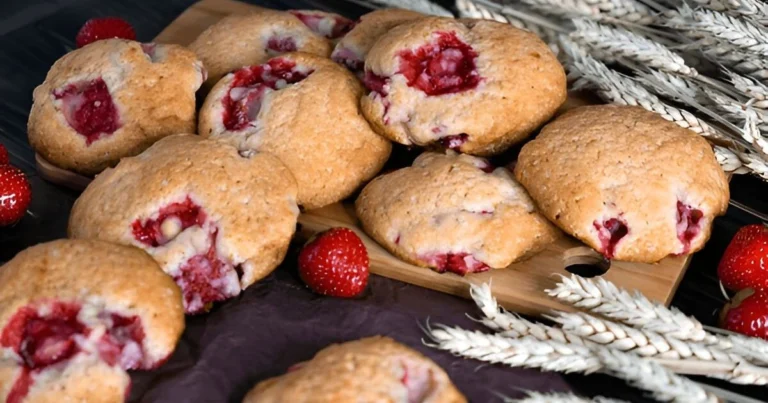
(453, 212)
(237, 41)
(75, 315)
(474, 86)
(373, 369)
(625, 181)
(113, 99)
(214, 220)
(328, 25)
(304, 110)
(354, 46)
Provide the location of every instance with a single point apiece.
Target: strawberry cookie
(354, 46)
(625, 181)
(243, 40)
(216, 220)
(374, 369)
(474, 86)
(328, 25)
(113, 99)
(75, 315)
(304, 109)
(453, 212)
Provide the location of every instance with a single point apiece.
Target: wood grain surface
(520, 287)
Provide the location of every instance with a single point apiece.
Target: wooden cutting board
(520, 287)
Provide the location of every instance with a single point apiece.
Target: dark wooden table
(278, 322)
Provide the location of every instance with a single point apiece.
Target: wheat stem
(536, 397)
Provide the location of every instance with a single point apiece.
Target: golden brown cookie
(113, 99)
(374, 369)
(237, 41)
(474, 86)
(354, 46)
(625, 181)
(214, 220)
(453, 212)
(328, 25)
(75, 315)
(304, 110)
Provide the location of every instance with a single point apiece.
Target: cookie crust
(153, 89)
(598, 163)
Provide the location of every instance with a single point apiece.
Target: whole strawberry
(4, 156)
(747, 313)
(744, 263)
(104, 28)
(335, 263)
(15, 195)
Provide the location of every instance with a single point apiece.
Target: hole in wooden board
(585, 262)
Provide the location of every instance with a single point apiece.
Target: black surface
(277, 322)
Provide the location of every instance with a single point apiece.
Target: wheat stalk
(750, 117)
(751, 88)
(555, 356)
(634, 309)
(648, 375)
(622, 43)
(615, 88)
(752, 9)
(742, 35)
(673, 86)
(729, 161)
(618, 11)
(536, 397)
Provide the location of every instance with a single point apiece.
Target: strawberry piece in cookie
(688, 225)
(170, 221)
(444, 66)
(249, 86)
(459, 263)
(89, 109)
(610, 232)
(121, 313)
(328, 25)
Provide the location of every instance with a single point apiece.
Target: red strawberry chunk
(205, 279)
(104, 28)
(243, 101)
(50, 336)
(688, 224)
(282, 44)
(330, 26)
(454, 142)
(348, 58)
(610, 232)
(747, 313)
(444, 66)
(418, 380)
(460, 263)
(149, 232)
(89, 109)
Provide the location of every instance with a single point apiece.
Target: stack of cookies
(300, 111)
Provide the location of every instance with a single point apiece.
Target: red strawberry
(104, 28)
(15, 195)
(744, 262)
(4, 155)
(747, 313)
(335, 263)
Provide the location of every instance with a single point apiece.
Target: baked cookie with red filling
(473, 86)
(304, 109)
(214, 219)
(353, 47)
(625, 181)
(373, 369)
(328, 25)
(76, 315)
(453, 212)
(236, 41)
(113, 99)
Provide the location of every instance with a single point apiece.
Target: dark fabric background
(277, 322)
